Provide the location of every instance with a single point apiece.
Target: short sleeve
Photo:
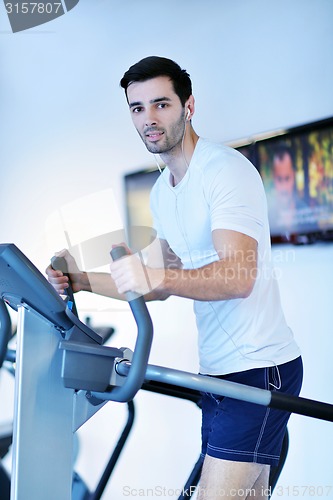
(236, 196)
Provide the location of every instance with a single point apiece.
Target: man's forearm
(103, 284)
(220, 280)
(100, 283)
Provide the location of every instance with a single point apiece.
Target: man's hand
(57, 278)
(131, 274)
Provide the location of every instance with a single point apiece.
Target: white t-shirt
(223, 190)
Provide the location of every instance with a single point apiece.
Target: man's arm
(159, 255)
(131, 273)
(232, 276)
(100, 283)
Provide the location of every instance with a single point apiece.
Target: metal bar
(202, 383)
(135, 376)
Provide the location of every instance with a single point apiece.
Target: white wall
(256, 65)
(306, 289)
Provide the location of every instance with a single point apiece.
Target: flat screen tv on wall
(297, 172)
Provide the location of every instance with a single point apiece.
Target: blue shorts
(247, 432)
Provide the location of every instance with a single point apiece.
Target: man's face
(284, 177)
(157, 114)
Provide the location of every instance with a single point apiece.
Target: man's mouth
(154, 136)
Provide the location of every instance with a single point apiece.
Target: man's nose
(150, 118)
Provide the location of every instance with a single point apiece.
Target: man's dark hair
(154, 66)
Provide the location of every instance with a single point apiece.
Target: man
(210, 214)
(284, 175)
(284, 197)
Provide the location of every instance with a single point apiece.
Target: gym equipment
(79, 489)
(32, 279)
(64, 375)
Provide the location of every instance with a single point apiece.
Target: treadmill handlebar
(135, 378)
(60, 264)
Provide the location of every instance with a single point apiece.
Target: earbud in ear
(188, 114)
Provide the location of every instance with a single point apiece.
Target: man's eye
(137, 109)
(162, 105)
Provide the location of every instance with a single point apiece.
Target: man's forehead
(151, 89)
(284, 163)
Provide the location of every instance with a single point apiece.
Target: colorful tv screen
(297, 171)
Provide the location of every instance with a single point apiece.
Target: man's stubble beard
(170, 142)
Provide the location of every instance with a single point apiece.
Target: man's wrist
(165, 286)
(83, 282)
